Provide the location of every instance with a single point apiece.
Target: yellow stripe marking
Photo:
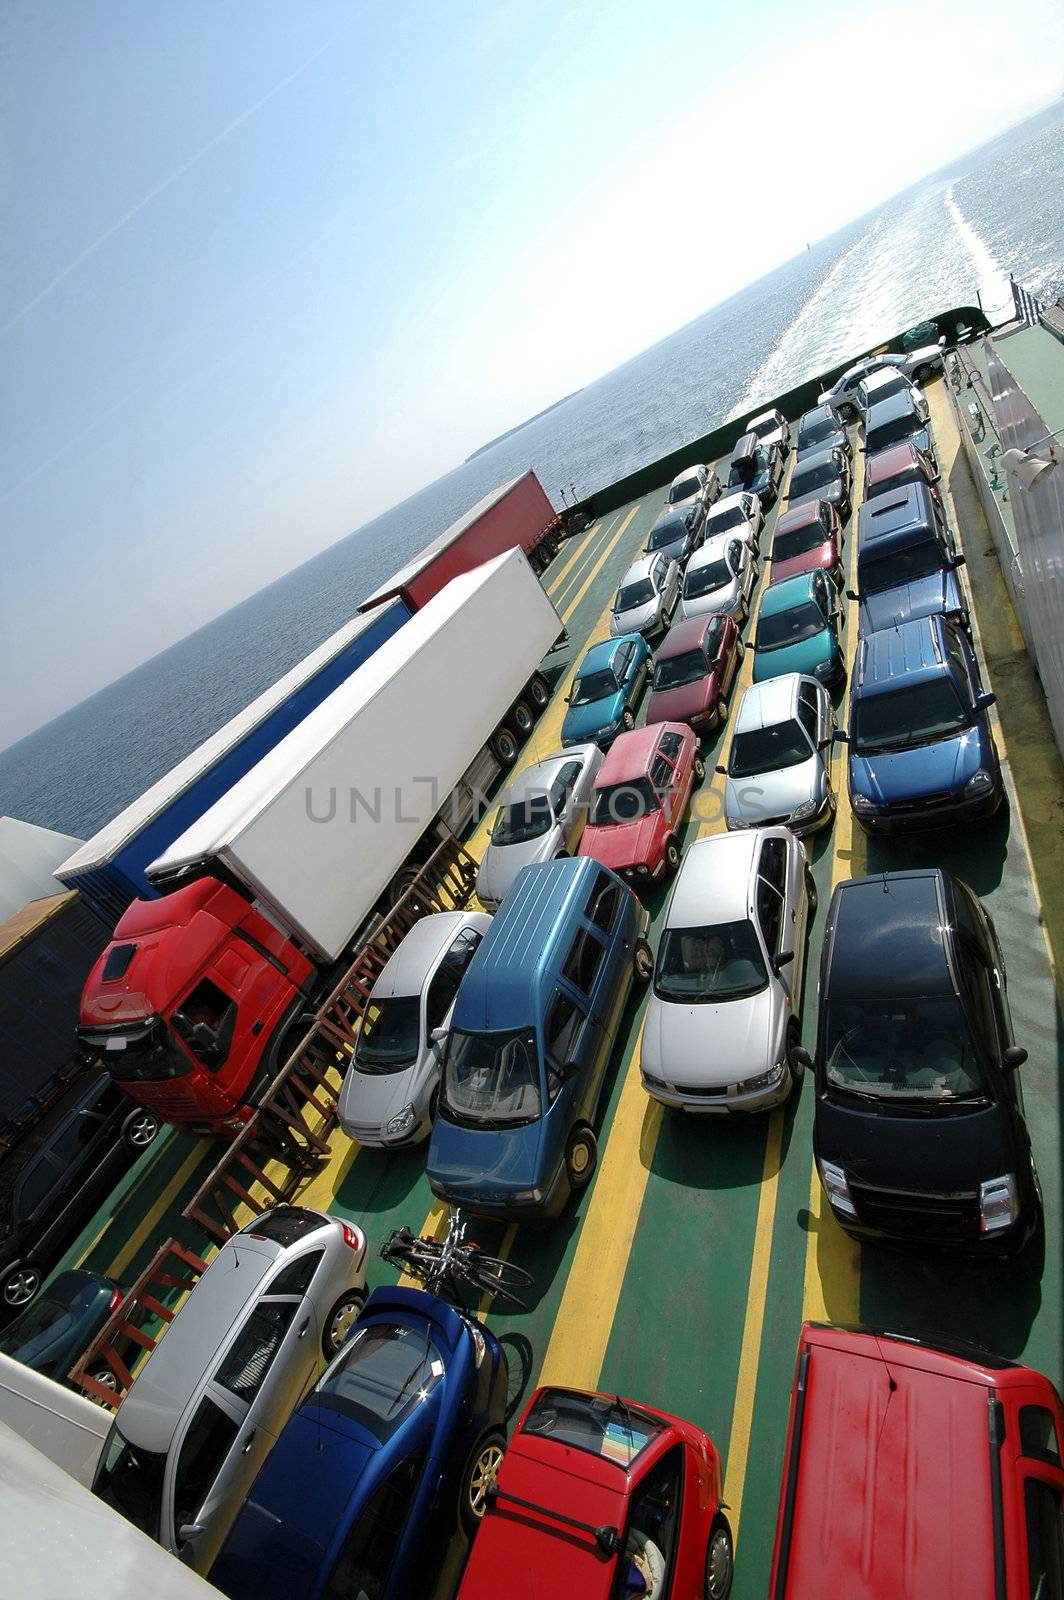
(582, 547)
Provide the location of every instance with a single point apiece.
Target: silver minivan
(273, 1307)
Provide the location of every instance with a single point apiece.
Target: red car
(640, 799)
(807, 539)
(598, 1498)
(694, 670)
(902, 464)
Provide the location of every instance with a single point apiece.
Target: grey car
(677, 533)
(778, 768)
(697, 485)
(647, 596)
(720, 578)
(388, 1096)
(541, 816)
(273, 1307)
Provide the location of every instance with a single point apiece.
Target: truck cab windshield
(492, 1079)
(137, 1051)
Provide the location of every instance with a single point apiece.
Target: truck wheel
(504, 747)
(643, 961)
(140, 1129)
(537, 692)
(19, 1285)
(581, 1157)
(481, 1471)
(521, 720)
(340, 1321)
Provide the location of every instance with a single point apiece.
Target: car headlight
(862, 805)
(402, 1122)
(823, 669)
(837, 1189)
(650, 1082)
(806, 809)
(979, 782)
(999, 1204)
(766, 1080)
(527, 1197)
(642, 870)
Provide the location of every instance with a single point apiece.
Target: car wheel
(628, 720)
(482, 1470)
(699, 769)
(538, 693)
(794, 1040)
(521, 720)
(811, 892)
(19, 1285)
(846, 412)
(722, 712)
(140, 1129)
(720, 1561)
(921, 374)
(581, 1157)
(340, 1321)
(643, 961)
(672, 856)
(107, 1378)
(504, 747)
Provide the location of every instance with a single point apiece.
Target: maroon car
(900, 465)
(694, 670)
(807, 539)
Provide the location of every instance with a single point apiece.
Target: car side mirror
(841, 736)
(568, 699)
(438, 1035)
(826, 742)
(189, 1530)
(1014, 1057)
(958, 560)
(853, 594)
(802, 1058)
(782, 960)
(984, 701)
(722, 770)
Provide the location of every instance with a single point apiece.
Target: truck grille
(903, 1213)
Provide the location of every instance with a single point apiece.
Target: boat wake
(993, 283)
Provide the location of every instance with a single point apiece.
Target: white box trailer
(317, 829)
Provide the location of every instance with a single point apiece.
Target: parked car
(821, 429)
(694, 486)
(921, 750)
(892, 422)
(842, 394)
(778, 767)
(937, 1437)
(906, 562)
(918, 1131)
(720, 578)
(647, 596)
(808, 538)
(203, 1412)
(824, 476)
(695, 671)
(640, 801)
(55, 1179)
(884, 385)
(608, 684)
(898, 467)
(677, 533)
(756, 468)
(541, 816)
(740, 514)
(721, 1030)
(388, 1096)
(371, 1476)
(600, 1497)
(771, 428)
(798, 630)
(922, 353)
(50, 1334)
(536, 1019)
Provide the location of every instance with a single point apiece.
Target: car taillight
(353, 1237)
(116, 1298)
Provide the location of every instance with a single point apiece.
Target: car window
(735, 554)
(975, 987)
(603, 902)
(661, 567)
(75, 1138)
(956, 656)
(205, 1021)
(773, 863)
(621, 660)
(295, 1277)
(252, 1353)
(1045, 1541)
(584, 960)
(37, 1181)
(1038, 1434)
(206, 1444)
(807, 716)
(670, 745)
(660, 773)
(368, 1552)
(651, 1533)
(560, 1027)
(440, 998)
(563, 786)
(969, 917)
(769, 914)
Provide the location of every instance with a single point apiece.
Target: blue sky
(268, 268)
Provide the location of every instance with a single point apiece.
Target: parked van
(274, 1305)
(906, 557)
(532, 1029)
(918, 1470)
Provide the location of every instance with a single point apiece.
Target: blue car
(609, 682)
(921, 751)
(361, 1492)
(52, 1332)
(533, 1026)
(905, 561)
(798, 629)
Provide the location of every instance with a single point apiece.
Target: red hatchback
(694, 670)
(807, 539)
(897, 467)
(640, 799)
(598, 1499)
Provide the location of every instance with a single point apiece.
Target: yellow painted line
(582, 546)
(158, 1211)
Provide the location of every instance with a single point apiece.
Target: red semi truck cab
(191, 1005)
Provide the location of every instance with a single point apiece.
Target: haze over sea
(938, 244)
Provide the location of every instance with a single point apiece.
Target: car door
(675, 782)
(583, 970)
(80, 1160)
(814, 714)
(567, 815)
(774, 914)
(622, 666)
(440, 997)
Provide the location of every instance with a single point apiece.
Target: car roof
(601, 655)
(825, 457)
(910, 505)
(641, 568)
(799, 516)
(409, 966)
(775, 415)
(713, 883)
(788, 592)
(765, 704)
(815, 413)
(688, 472)
(681, 515)
(910, 653)
(889, 410)
(685, 635)
(728, 501)
(894, 459)
(888, 374)
(630, 754)
(714, 548)
(745, 446)
(886, 937)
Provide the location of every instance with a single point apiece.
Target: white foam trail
(993, 283)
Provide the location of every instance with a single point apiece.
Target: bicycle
(449, 1266)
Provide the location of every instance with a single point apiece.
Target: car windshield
(914, 561)
(902, 1049)
(130, 1481)
(596, 686)
(624, 802)
(666, 533)
(797, 541)
(704, 579)
(602, 1425)
(817, 432)
(764, 427)
(801, 622)
(696, 965)
(900, 480)
(908, 716)
(526, 819)
(139, 1052)
(674, 671)
(768, 749)
(492, 1079)
(806, 479)
(684, 490)
(893, 432)
(385, 1370)
(733, 517)
(886, 387)
(634, 594)
(390, 1035)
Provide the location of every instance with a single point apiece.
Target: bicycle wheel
(499, 1278)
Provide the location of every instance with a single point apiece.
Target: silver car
(541, 816)
(721, 578)
(771, 427)
(647, 596)
(740, 514)
(843, 392)
(886, 383)
(721, 1032)
(779, 759)
(697, 485)
(919, 364)
(271, 1310)
(388, 1096)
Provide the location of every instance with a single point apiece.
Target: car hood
(926, 769)
(679, 549)
(684, 702)
(502, 863)
(774, 794)
(923, 597)
(945, 1153)
(832, 492)
(829, 442)
(370, 1099)
(726, 598)
(708, 1046)
(485, 1164)
(585, 723)
(824, 556)
(624, 844)
(802, 657)
(637, 618)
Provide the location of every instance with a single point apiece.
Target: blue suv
(535, 1020)
(359, 1494)
(609, 682)
(905, 561)
(921, 750)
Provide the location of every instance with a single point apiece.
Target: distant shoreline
(527, 423)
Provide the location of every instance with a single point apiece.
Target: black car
(57, 1174)
(756, 468)
(821, 429)
(919, 1133)
(894, 421)
(52, 1332)
(825, 475)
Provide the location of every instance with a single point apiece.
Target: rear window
(284, 1225)
(602, 1426)
(385, 1371)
